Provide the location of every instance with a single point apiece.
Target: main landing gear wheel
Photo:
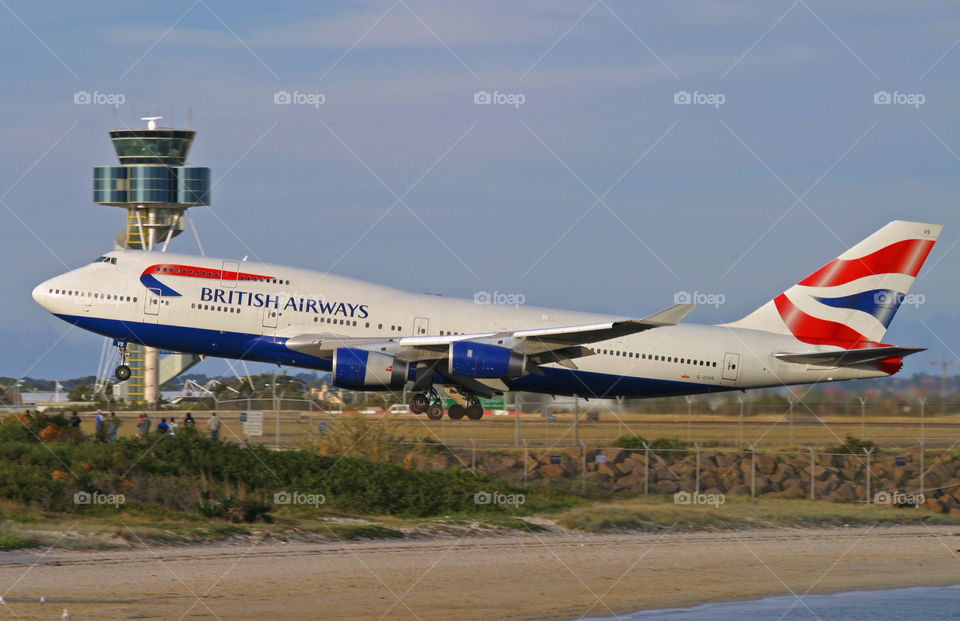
(456, 411)
(434, 411)
(419, 403)
(475, 411)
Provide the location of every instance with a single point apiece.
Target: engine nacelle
(360, 369)
(486, 361)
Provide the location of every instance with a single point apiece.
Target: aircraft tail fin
(850, 301)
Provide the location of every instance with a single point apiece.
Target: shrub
(664, 447)
(853, 446)
(629, 441)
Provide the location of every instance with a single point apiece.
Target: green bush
(853, 446)
(664, 447)
(185, 471)
(630, 441)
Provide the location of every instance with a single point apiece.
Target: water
(931, 603)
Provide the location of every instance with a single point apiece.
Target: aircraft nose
(40, 293)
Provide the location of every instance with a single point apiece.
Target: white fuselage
(248, 310)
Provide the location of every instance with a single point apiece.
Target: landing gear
(419, 403)
(435, 411)
(475, 409)
(428, 402)
(122, 371)
(456, 411)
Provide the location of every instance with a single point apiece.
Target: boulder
(845, 493)
(766, 464)
(793, 489)
(934, 504)
(667, 487)
(551, 470)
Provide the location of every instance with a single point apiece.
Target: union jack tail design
(850, 301)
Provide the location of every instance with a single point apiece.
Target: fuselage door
(270, 316)
(229, 274)
(730, 364)
(151, 301)
(421, 326)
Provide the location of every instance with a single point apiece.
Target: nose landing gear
(122, 372)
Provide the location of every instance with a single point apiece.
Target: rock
(598, 478)
(611, 470)
(667, 487)
(739, 490)
(934, 504)
(664, 474)
(551, 471)
(766, 464)
(725, 460)
(845, 493)
(793, 490)
(954, 512)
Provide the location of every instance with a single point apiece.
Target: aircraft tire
(435, 411)
(122, 372)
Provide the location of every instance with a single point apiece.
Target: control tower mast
(155, 187)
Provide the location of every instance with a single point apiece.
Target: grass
(658, 513)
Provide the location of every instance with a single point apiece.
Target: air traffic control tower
(155, 187)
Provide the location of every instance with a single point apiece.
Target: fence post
(583, 472)
(753, 470)
(646, 471)
(473, 459)
(516, 420)
(696, 447)
(923, 467)
(868, 452)
(813, 464)
(526, 455)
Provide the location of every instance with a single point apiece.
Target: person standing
(188, 421)
(143, 426)
(214, 426)
(162, 426)
(113, 424)
(98, 428)
(75, 420)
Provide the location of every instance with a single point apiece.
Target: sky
(540, 148)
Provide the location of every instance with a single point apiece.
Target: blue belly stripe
(258, 348)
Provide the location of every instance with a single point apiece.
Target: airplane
(827, 327)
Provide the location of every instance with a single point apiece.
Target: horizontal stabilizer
(849, 357)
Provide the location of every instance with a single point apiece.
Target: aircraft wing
(541, 345)
(849, 357)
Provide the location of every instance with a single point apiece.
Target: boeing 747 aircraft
(827, 327)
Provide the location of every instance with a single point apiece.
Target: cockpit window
(105, 259)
